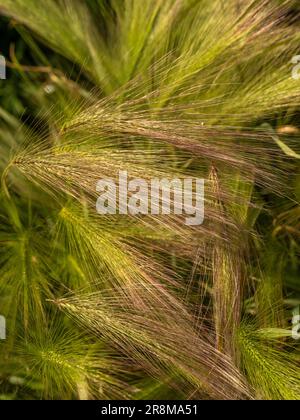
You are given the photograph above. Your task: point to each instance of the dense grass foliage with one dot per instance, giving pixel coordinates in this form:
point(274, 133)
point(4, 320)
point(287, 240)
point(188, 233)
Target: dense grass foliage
point(140, 307)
